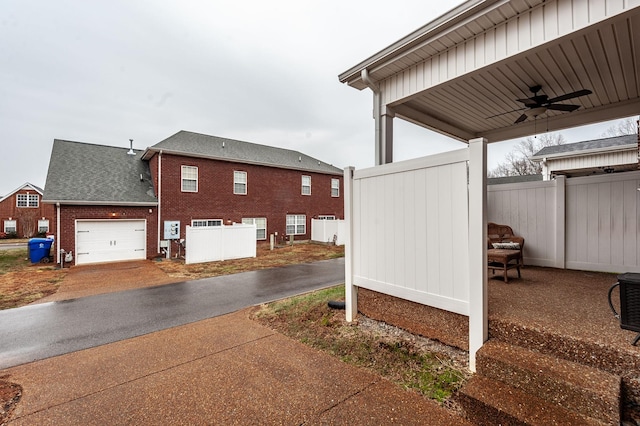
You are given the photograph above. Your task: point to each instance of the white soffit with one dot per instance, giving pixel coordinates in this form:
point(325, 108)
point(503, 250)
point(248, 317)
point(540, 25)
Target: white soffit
point(461, 74)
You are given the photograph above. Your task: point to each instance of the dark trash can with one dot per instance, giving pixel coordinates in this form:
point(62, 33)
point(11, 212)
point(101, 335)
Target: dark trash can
point(629, 315)
point(39, 249)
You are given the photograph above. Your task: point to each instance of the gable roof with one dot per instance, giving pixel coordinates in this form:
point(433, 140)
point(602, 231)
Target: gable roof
point(82, 173)
point(213, 147)
point(588, 147)
point(26, 185)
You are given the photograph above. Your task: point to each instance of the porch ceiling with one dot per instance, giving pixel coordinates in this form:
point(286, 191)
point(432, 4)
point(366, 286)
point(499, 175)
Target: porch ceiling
point(603, 58)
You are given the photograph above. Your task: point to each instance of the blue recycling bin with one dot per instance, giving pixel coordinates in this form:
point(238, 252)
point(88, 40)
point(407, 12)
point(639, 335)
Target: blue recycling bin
point(39, 249)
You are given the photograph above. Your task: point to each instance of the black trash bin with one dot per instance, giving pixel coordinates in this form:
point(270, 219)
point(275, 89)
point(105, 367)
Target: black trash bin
point(39, 249)
point(629, 315)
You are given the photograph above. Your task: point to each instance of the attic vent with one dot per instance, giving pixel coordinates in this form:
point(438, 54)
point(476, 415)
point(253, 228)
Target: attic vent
point(130, 152)
point(300, 158)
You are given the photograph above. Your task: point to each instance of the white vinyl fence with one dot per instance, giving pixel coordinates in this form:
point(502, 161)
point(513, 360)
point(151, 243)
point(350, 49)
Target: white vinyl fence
point(415, 230)
point(212, 243)
point(586, 223)
point(328, 231)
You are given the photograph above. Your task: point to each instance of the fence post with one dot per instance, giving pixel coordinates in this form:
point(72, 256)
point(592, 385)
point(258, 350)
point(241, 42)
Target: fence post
point(478, 298)
point(560, 220)
point(350, 291)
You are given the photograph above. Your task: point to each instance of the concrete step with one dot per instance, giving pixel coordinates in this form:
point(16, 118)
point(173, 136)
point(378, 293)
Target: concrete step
point(492, 402)
point(591, 392)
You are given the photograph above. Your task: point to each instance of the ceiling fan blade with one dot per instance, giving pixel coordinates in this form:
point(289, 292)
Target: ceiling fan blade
point(521, 119)
point(571, 95)
point(528, 102)
point(563, 107)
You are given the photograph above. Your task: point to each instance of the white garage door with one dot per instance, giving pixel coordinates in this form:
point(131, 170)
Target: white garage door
point(110, 240)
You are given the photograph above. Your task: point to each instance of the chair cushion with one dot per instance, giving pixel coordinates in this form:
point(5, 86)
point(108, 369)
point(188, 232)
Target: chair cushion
point(507, 246)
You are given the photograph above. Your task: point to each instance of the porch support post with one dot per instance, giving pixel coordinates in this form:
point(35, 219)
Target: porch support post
point(560, 219)
point(350, 291)
point(478, 297)
point(383, 117)
point(384, 135)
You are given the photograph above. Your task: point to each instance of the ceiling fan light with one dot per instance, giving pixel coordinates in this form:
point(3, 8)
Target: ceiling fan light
point(534, 112)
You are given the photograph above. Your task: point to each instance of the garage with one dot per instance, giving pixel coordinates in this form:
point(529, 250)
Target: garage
point(99, 241)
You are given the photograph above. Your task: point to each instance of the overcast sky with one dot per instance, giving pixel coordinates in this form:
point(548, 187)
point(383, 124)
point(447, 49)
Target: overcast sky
point(260, 71)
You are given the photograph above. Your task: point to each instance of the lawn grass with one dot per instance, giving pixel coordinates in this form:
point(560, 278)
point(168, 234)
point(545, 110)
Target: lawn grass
point(308, 319)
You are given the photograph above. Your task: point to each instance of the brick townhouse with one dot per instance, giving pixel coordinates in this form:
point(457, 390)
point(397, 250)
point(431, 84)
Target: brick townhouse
point(23, 214)
point(114, 203)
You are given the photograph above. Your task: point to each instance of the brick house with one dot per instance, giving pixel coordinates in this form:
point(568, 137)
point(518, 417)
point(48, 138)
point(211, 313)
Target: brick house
point(23, 214)
point(114, 204)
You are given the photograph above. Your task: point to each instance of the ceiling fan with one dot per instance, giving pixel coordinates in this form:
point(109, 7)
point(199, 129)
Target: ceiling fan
point(538, 104)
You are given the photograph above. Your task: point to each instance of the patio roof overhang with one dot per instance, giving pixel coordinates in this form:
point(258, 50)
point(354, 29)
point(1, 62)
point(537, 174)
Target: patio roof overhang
point(461, 74)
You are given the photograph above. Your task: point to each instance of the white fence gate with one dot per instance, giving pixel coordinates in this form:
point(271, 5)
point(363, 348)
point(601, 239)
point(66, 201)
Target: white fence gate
point(587, 223)
point(212, 243)
point(328, 231)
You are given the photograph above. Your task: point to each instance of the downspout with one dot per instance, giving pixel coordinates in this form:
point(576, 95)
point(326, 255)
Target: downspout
point(383, 116)
point(159, 197)
point(376, 112)
point(58, 232)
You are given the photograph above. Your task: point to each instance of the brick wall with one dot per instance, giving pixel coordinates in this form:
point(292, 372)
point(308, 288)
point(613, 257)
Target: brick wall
point(26, 217)
point(271, 192)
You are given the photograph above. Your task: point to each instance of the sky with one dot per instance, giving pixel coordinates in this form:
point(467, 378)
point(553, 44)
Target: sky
point(266, 72)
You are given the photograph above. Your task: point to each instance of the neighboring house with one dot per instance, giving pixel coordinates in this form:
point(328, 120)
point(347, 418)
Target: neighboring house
point(608, 155)
point(116, 204)
point(23, 214)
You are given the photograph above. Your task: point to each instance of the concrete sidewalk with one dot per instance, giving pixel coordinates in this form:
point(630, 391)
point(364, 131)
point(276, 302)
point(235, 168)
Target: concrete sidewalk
point(224, 370)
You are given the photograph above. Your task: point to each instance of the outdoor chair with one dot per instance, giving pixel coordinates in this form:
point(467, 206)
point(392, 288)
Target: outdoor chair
point(629, 284)
point(503, 247)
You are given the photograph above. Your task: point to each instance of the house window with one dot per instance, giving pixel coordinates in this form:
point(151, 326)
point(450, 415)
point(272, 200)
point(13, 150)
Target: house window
point(335, 187)
point(240, 183)
point(189, 179)
point(261, 226)
point(28, 200)
point(206, 222)
point(296, 224)
point(10, 227)
point(326, 217)
point(306, 185)
point(43, 226)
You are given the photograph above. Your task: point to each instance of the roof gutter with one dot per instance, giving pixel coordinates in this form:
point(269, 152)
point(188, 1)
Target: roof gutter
point(101, 203)
point(431, 31)
point(620, 148)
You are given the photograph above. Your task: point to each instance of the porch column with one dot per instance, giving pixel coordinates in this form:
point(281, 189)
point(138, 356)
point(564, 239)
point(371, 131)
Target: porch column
point(384, 134)
point(560, 219)
point(350, 291)
point(478, 297)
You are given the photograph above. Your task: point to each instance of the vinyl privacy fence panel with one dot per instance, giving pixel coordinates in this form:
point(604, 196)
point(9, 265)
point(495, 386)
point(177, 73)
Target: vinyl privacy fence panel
point(213, 243)
point(410, 230)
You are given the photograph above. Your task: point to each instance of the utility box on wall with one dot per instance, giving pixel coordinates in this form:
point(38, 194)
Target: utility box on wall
point(171, 229)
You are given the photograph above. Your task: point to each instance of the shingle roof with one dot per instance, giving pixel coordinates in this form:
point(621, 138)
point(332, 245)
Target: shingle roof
point(205, 146)
point(82, 173)
point(592, 145)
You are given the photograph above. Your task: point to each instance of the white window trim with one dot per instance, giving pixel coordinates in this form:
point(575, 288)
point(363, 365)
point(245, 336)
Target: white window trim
point(252, 221)
point(306, 186)
point(183, 169)
point(336, 187)
point(43, 222)
point(236, 182)
point(299, 220)
point(196, 223)
point(9, 222)
point(29, 200)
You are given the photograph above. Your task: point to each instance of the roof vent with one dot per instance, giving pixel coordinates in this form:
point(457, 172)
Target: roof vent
point(131, 152)
point(300, 158)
